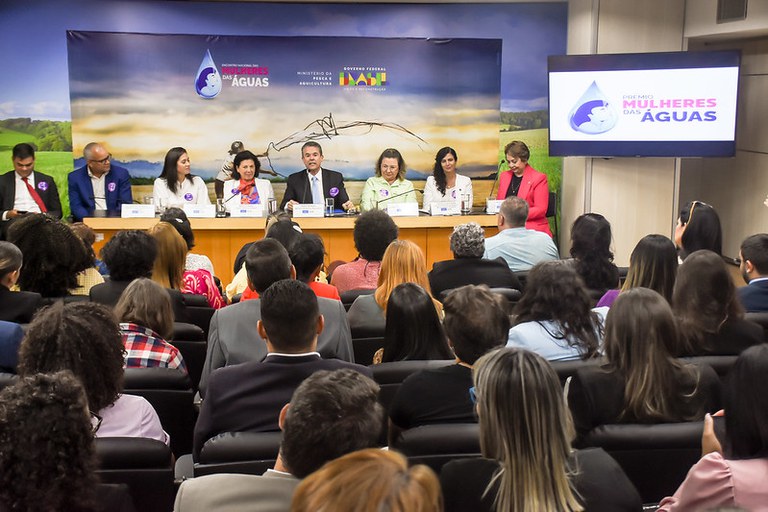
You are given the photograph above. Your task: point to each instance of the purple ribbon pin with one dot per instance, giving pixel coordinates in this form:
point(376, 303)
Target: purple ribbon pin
point(188, 196)
point(453, 194)
point(42, 186)
point(111, 187)
point(383, 192)
point(235, 190)
point(334, 191)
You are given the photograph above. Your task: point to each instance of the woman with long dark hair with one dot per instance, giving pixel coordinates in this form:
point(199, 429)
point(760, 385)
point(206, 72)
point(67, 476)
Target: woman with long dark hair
point(525, 437)
point(176, 186)
point(698, 227)
point(591, 251)
point(446, 184)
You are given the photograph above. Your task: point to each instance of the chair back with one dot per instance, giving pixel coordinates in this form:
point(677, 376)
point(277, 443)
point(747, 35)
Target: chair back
point(193, 353)
point(656, 458)
point(170, 393)
point(198, 311)
point(567, 369)
point(436, 445)
point(389, 376)
point(187, 332)
point(759, 317)
point(365, 347)
point(721, 364)
point(144, 465)
point(238, 452)
point(349, 296)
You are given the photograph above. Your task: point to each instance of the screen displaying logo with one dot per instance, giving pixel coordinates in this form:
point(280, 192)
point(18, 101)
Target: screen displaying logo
point(208, 79)
point(593, 113)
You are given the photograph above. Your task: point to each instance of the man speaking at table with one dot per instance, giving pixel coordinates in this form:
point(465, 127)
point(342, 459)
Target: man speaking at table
point(314, 184)
point(98, 185)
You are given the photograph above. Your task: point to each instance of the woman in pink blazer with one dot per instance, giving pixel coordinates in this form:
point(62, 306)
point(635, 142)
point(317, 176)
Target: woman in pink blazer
point(524, 181)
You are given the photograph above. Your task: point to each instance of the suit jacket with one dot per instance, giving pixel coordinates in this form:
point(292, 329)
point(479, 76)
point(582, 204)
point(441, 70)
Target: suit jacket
point(449, 274)
point(10, 340)
point(117, 191)
point(45, 187)
point(600, 482)
point(248, 397)
point(109, 292)
point(535, 191)
point(18, 307)
point(270, 492)
point(233, 338)
point(754, 296)
point(298, 188)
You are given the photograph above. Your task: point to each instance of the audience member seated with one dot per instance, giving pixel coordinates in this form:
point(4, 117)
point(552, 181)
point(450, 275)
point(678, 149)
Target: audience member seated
point(652, 264)
point(733, 471)
point(754, 269)
point(249, 396)
point(272, 218)
point(553, 317)
point(403, 262)
point(475, 323)
point(641, 381)
point(84, 338)
point(307, 256)
point(14, 306)
point(91, 276)
point(146, 321)
point(525, 435)
point(168, 270)
point(330, 414)
point(48, 460)
point(373, 232)
point(468, 265)
point(233, 337)
point(709, 313)
point(53, 255)
point(128, 255)
point(369, 480)
point(591, 252)
point(178, 219)
point(698, 227)
point(11, 335)
point(413, 329)
point(520, 247)
point(287, 233)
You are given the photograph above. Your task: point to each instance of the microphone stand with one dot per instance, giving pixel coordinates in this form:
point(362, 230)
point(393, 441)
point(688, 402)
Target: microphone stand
point(398, 195)
point(496, 181)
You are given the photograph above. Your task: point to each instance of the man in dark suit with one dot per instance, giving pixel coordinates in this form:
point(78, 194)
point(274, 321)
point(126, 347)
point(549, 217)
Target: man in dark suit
point(26, 190)
point(468, 266)
point(249, 396)
point(233, 337)
point(98, 185)
point(314, 184)
point(754, 269)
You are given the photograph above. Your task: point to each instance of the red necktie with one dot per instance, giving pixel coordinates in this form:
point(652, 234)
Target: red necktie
point(35, 195)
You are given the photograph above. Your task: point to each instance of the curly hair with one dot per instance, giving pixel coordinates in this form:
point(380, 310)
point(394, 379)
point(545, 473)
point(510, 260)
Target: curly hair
point(88, 236)
point(82, 337)
point(129, 255)
point(437, 171)
point(591, 247)
point(373, 232)
point(468, 241)
point(47, 458)
point(51, 267)
point(555, 292)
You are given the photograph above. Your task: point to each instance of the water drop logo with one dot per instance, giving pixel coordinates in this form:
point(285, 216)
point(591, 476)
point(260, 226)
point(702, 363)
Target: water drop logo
point(208, 81)
point(593, 113)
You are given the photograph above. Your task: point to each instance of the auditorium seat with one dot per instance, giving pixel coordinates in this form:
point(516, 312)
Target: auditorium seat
point(522, 276)
point(566, 369)
point(365, 347)
point(198, 311)
point(349, 296)
point(238, 452)
point(761, 318)
point(721, 364)
point(47, 301)
point(193, 353)
point(389, 376)
point(656, 458)
point(144, 465)
point(187, 332)
point(170, 393)
point(511, 294)
point(436, 445)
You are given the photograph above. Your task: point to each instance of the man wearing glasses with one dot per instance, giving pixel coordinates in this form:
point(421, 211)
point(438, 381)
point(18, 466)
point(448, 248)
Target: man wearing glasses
point(98, 186)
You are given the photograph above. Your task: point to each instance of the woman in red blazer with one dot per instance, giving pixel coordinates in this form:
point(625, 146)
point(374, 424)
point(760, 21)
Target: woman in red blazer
point(524, 181)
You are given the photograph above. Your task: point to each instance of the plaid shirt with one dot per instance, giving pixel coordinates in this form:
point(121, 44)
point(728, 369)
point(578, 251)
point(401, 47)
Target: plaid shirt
point(145, 348)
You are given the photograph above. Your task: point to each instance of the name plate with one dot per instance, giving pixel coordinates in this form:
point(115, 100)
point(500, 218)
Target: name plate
point(200, 211)
point(309, 210)
point(137, 211)
point(246, 210)
point(493, 205)
point(403, 210)
point(444, 208)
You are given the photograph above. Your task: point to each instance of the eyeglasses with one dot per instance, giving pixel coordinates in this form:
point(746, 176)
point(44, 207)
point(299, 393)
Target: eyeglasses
point(103, 160)
point(95, 428)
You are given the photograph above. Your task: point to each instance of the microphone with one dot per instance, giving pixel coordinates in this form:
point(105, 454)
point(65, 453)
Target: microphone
point(398, 195)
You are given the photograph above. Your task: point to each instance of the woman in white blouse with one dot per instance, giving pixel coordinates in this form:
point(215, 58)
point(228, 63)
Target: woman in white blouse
point(445, 184)
point(176, 186)
point(246, 187)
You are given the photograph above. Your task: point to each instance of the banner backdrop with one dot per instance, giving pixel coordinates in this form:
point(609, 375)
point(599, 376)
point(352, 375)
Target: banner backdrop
point(355, 95)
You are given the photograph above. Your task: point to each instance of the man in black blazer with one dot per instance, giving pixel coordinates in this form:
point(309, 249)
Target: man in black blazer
point(301, 184)
point(754, 269)
point(15, 202)
point(248, 397)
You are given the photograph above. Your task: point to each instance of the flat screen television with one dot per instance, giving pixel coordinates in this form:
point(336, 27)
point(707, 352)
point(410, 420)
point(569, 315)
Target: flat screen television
point(678, 104)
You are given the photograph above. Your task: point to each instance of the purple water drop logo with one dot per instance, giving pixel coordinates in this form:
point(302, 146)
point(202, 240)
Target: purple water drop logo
point(111, 187)
point(453, 194)
point(334, 191)
point(208, 78)
point(42, 186)
point(593, 113)
point(188, 196)
point(383, 192)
